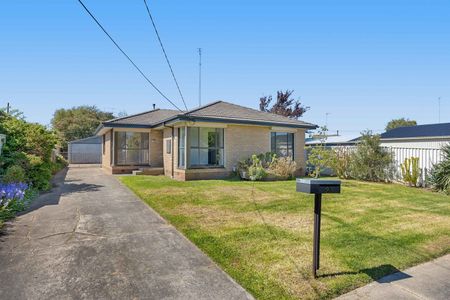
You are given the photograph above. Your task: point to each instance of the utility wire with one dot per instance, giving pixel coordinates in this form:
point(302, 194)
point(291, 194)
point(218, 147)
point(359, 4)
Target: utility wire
point(165, 54)
point(126, 55)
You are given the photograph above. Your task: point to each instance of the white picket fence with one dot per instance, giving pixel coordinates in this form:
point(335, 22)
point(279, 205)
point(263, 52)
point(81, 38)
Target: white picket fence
point(427, 158)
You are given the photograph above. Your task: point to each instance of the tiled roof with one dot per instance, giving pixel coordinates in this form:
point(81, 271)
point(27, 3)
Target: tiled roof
point(228, 111)
point(219, 111)
point(429, 130)
point(146, 118)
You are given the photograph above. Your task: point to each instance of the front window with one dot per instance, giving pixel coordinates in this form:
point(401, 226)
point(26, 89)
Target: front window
point(282, 143)
point(205, 147)
point(132, 148)
point(181, 147)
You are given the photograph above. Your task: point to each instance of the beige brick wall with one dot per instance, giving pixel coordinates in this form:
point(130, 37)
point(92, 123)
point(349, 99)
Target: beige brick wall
point(299, 151)
point(243, 141)
point(240, 143)
point(156, 148)
point(167, 135)
point(106, 150)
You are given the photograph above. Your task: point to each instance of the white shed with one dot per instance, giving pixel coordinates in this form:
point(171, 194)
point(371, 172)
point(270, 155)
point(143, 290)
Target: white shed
point(85, 151)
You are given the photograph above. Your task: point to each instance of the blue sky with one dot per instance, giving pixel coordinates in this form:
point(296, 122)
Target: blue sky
point(364, 62)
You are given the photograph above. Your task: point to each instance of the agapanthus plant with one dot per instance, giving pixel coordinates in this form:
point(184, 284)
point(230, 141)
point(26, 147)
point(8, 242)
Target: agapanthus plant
point(12, 191)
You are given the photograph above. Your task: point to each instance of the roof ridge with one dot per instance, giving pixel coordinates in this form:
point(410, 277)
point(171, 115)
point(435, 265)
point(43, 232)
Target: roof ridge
point(133, 115)
point(249, 108)
point(202, 107)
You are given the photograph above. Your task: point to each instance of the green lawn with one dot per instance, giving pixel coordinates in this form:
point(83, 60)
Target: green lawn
point(261, 233)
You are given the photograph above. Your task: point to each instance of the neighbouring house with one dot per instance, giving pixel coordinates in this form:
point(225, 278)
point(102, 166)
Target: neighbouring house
point(429, 136)
point(85, 151)
point(422, 141)
point(330, 140)
point(203, 143)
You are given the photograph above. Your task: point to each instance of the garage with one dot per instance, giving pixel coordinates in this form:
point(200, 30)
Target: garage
point(85, 151)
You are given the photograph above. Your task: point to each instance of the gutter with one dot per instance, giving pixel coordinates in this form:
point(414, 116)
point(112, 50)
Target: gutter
point(236, 121)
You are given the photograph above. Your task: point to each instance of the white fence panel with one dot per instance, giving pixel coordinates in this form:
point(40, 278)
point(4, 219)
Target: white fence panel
point(427, 158)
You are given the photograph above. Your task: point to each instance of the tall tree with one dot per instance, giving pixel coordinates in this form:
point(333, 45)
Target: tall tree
point(78, 122)
point(402, 122)
point(284, 105)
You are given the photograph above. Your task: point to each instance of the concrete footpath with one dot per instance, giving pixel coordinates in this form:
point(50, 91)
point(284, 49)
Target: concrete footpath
point(430, 280)
point(92, 238)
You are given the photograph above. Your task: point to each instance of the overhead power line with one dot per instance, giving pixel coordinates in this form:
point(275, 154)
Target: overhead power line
point(126, 55)
point(165, 54)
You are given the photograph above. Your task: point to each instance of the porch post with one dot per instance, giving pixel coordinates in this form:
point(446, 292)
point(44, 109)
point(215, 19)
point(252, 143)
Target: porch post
point(113, 148)
point(187, 146)
point(149, 146)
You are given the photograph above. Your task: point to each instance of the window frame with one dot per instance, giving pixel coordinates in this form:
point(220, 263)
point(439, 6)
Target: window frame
point(142, 142)
point(168, 146)
point(273, 146)
point(181, 166)
point(218, 147)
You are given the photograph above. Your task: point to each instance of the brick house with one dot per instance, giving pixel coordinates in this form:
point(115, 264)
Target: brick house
point(203, 143)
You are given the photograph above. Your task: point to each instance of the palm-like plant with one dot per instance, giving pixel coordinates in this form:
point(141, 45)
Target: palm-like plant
point(440, 174)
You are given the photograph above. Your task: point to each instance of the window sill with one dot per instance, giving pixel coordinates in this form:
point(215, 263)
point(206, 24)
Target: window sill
point(205, 167)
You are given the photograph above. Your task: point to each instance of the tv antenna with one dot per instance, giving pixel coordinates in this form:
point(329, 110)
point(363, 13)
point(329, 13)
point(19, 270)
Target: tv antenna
point(326, 119)
point(199, 76)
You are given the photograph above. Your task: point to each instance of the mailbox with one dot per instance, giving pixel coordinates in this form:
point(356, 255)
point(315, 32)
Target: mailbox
point(317, 187)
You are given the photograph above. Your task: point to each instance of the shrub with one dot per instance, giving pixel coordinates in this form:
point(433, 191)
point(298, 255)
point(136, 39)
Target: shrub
point(58, 164)
point(14, 174)
point(283, 167)
point(340, 162)
point(264, 158)
point(319, 157)
point(28, 145)
point(410, 170)
point(440, 173)
point(256, 171)
point(39, 172)
point(370, 161)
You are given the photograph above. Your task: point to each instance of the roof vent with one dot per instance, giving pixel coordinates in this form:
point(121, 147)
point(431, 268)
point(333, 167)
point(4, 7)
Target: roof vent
point(154, 106)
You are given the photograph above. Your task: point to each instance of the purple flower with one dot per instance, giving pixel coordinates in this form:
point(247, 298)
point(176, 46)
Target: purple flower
point(12, 191)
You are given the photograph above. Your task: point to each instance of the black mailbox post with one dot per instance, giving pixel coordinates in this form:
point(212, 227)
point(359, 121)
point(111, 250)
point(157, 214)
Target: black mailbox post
point(317, 187)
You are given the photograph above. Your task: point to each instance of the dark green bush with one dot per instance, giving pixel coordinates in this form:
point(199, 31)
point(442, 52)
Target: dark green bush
point(370, 161)
point(59, 164)
point(14, 173)
point(29, 146)
point(440, 174)
point(39, 172)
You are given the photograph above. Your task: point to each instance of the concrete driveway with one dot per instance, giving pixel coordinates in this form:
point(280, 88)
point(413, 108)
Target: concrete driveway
point(91, 238)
